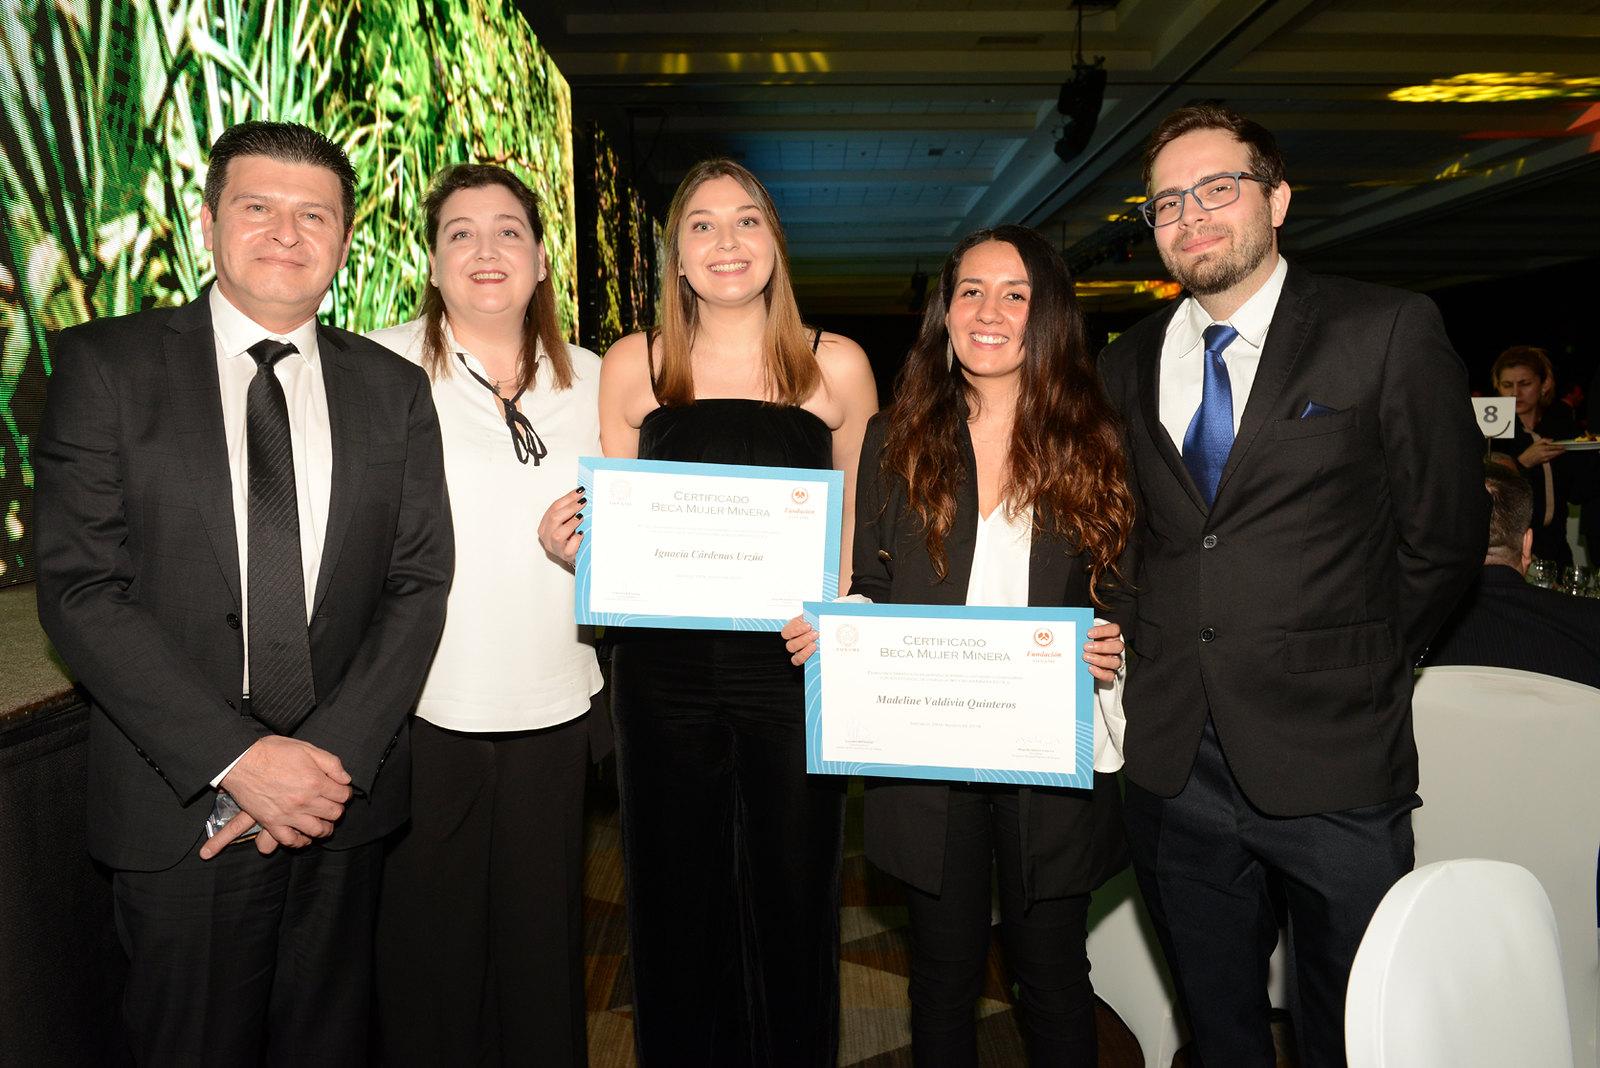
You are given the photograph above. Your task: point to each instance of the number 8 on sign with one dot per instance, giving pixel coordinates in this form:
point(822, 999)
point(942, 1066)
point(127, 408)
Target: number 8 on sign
point(1494, 416)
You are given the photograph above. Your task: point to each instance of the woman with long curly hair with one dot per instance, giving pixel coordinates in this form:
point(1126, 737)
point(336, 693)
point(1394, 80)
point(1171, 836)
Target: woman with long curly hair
point(997, 478)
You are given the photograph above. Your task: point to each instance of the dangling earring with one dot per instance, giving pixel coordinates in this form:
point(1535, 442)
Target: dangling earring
point(949, 353)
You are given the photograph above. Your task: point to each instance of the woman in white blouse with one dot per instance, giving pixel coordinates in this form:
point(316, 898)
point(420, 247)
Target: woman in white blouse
point(480, 936)
point(997, 478)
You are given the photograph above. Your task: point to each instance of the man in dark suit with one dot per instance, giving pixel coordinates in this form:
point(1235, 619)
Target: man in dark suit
point(1503, 621)
point(1308, 478)
point(244, 548)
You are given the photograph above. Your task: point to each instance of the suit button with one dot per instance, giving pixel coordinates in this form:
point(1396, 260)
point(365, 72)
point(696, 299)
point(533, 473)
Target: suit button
point(233, 621)
point(1207, 634)
point(1209, 541)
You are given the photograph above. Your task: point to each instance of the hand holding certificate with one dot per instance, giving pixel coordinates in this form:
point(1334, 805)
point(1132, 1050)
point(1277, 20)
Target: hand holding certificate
point(964, 693)
point(710, 546)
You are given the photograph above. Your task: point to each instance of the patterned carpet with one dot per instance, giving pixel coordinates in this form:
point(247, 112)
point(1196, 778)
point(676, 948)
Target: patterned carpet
point(872, 972)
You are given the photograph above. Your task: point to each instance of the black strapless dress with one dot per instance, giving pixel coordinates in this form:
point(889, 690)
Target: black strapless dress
point(732, 852)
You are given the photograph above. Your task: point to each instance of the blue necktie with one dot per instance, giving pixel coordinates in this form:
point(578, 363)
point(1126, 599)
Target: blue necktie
point(1210, 433)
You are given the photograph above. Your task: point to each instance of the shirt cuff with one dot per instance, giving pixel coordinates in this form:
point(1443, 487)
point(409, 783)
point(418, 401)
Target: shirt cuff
point(1110, 722)
point(223, 774)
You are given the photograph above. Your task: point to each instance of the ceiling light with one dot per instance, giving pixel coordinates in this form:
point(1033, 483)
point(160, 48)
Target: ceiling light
point(1497, 87)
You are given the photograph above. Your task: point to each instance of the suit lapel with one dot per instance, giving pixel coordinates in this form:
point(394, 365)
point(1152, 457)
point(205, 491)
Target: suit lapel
point(1149, 360)
point(1286, 337)
point(347, 423)
point(195, 396)
point(1048, 566)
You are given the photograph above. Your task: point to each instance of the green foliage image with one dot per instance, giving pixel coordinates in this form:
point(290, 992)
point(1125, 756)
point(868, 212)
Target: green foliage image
point(110, 107)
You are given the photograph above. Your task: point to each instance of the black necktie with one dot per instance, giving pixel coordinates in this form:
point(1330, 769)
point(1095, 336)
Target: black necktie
point(280, 646)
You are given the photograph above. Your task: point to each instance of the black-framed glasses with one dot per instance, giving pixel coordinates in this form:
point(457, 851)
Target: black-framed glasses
point(1217, 191)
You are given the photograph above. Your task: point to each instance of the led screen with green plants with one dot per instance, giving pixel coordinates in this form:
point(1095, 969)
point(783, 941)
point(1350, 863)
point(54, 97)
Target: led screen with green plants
point(109, 109)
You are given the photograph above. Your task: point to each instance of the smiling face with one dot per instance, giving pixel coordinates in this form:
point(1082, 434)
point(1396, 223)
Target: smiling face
point(1232, 247)
point(725, 245)
point(277, 239)
point(1523, 383)
point(486, 260)
point(988, 311)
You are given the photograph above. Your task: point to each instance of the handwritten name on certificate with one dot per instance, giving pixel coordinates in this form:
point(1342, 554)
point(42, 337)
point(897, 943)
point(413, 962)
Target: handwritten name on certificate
point(709, 546)
point(969, 694)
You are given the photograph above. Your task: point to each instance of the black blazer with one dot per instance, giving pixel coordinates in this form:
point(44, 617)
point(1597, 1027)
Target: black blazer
point(139, 574)
point(1504, 622)
point(1291, 611)
point(1071, 839)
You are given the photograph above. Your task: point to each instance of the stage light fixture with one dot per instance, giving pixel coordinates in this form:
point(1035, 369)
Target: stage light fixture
point(1081, 98)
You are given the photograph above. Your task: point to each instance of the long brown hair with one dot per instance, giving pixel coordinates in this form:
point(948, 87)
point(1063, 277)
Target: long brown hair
point(1066, 457)
point(791, 367)
point(540, 327)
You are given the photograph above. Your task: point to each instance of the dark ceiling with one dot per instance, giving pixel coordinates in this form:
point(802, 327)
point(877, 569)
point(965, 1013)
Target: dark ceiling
point(888, 128)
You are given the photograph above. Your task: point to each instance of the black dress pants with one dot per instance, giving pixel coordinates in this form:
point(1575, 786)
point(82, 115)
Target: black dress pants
point(480, 921)
point(1043, 943)
point(1203, 859)
point(249, 959)
point(732, 855)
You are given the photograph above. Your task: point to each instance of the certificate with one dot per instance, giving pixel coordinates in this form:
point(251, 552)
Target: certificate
point(970, 694)
point(709, 546)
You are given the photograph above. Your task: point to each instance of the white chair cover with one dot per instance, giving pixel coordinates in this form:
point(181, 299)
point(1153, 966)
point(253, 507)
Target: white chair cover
point(1510, 765)
point(1128, 971)
point(1459, 969)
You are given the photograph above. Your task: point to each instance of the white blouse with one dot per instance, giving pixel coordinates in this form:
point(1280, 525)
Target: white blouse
point(1000, 578)
point(510, 658)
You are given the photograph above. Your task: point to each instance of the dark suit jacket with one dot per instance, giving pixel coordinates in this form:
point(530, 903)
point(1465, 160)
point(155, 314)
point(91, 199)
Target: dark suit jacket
point(1293, 609)
point(1504, 622)
point(139, 574)
point(1071, 839)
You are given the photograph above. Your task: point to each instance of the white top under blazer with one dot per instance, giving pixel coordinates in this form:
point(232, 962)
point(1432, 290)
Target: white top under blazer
point(510, 658)
point(1000, 579)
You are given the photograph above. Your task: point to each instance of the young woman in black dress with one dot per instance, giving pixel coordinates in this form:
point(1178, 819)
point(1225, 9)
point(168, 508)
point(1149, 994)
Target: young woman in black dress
point(732, 853)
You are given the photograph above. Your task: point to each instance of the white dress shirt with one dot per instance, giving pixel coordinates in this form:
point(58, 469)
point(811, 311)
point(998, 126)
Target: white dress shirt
point(310, 441)
point(1000, 578)
point(510, 658)
point(1183, 365)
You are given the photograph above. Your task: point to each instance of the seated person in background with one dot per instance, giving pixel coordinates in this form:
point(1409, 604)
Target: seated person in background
point(1504, 622)
point(1524, 373)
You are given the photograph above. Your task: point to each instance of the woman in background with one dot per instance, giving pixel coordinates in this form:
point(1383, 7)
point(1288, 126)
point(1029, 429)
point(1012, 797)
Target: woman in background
point(997, 478)
point(1524, 373)
point(733, 853)
point(480, 935)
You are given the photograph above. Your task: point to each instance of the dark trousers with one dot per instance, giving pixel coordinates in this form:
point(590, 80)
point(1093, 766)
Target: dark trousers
point(1043, 943)
point(732, 855)
point(480, 926)
point(1203, 859)
point(249, 959)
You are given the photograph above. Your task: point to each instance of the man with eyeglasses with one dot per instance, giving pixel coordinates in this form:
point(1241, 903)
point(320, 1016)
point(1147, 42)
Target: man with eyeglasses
point(1312, 505)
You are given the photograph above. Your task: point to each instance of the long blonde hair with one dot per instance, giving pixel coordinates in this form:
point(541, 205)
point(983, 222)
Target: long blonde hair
point(792, 373)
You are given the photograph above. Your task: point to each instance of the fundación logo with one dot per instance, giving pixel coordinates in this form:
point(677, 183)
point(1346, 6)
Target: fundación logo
point(799, 495)
point(1044, 637)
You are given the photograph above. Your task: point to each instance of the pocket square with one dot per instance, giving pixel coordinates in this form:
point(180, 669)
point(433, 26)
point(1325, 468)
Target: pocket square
point(1314, 409)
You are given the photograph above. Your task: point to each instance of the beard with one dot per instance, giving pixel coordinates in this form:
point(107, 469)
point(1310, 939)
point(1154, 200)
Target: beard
point(1220, 272)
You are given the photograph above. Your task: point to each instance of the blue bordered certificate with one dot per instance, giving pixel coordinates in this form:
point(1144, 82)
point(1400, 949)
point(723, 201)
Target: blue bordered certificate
point(933, 692)
point(709, 546)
